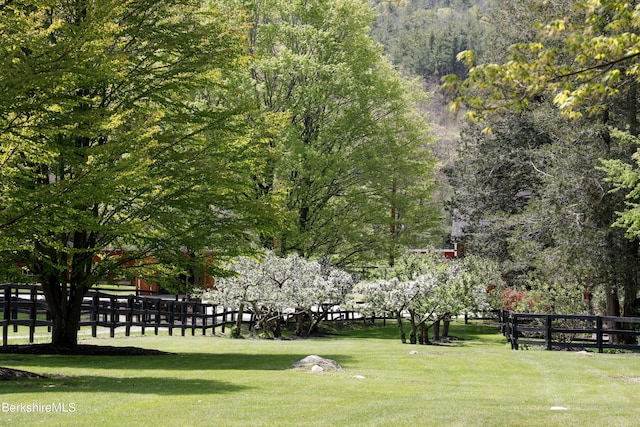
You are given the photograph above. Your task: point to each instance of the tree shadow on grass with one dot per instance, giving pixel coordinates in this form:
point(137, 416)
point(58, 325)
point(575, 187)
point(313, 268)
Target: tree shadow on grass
point(379, 330)
point(132, 379)
point(468, 333)
point(170, 362)
point(165, 386)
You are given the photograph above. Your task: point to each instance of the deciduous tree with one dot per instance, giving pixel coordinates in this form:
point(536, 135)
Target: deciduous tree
point(355, 169)
point(427, 290)
point(276, 288)
point(122, 143)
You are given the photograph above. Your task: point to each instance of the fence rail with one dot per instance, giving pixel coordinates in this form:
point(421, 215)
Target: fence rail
point(25, 305)
point(571, 331)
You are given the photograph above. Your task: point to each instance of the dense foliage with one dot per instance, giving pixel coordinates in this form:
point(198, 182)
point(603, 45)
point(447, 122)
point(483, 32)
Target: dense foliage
point(424, 37)
point(543, 176)
point(157, 140)
point(121, 130)
point(354, 168)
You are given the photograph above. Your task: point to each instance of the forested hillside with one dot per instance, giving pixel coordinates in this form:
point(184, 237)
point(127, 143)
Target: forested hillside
point(425, 36)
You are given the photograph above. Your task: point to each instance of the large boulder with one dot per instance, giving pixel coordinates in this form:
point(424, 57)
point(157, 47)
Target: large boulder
point(317, 364)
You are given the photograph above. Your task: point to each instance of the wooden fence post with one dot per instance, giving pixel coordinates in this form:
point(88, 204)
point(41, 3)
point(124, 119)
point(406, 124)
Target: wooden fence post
point(547, 331)
point(157, 314)
point(33, 314)
point(129, 318)
point(170, 309)
point(214, 310)
point(113, 314)
point(14, 309)
point(514, 331)
point(7, 315)
point(599, 334)
point(145, 312)
point(204, 320)
point(194, 307)
point(183, 318)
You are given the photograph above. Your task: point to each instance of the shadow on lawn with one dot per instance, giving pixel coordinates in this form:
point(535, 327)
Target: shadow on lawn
point(379, 330)
point(474, 334)
point(171, 362)
point(139, 385)
point(462, 334)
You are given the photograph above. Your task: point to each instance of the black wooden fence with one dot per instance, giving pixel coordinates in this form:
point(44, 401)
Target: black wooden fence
point(561, 331)
point(24, 305)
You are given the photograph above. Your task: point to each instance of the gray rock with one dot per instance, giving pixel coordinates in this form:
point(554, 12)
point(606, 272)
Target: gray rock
point(312, 361)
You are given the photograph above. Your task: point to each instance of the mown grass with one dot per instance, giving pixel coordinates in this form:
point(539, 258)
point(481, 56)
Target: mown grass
point(477, 381)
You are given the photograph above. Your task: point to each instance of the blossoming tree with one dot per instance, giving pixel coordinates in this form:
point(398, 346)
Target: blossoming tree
point(276, 289)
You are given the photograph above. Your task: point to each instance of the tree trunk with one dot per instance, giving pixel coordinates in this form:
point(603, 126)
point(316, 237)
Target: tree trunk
point(413, 339)
point(446, 322)
point(424, 333)
point(630, 284)
point(299, 323)
point(274, 325)
point(264, 324)
point(64, 303)
point(65, 329)
point(393, 227)
point(630, 290)
point(613, 309)
point(436, 330)
point(236, 331)
point(613, 302)
point(315, 320)
point(403, 335)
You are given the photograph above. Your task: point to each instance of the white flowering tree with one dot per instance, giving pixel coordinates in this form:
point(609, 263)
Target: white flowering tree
point(316, 289)
point(245, 288)
point(426, 291)
point(384, 296)
point(275, 287)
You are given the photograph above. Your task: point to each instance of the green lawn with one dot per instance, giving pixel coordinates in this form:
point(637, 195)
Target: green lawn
point(218, 381)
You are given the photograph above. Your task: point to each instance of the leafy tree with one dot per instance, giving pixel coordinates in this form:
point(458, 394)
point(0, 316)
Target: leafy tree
point(424, 37)
point(355, 171)
point(582, 61)
point(315, 299)
point(535, 202)
point(386, 296)
point(123, 143)
point(481, 284)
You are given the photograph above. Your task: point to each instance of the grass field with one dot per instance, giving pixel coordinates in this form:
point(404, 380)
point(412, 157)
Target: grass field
point(217, 381)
